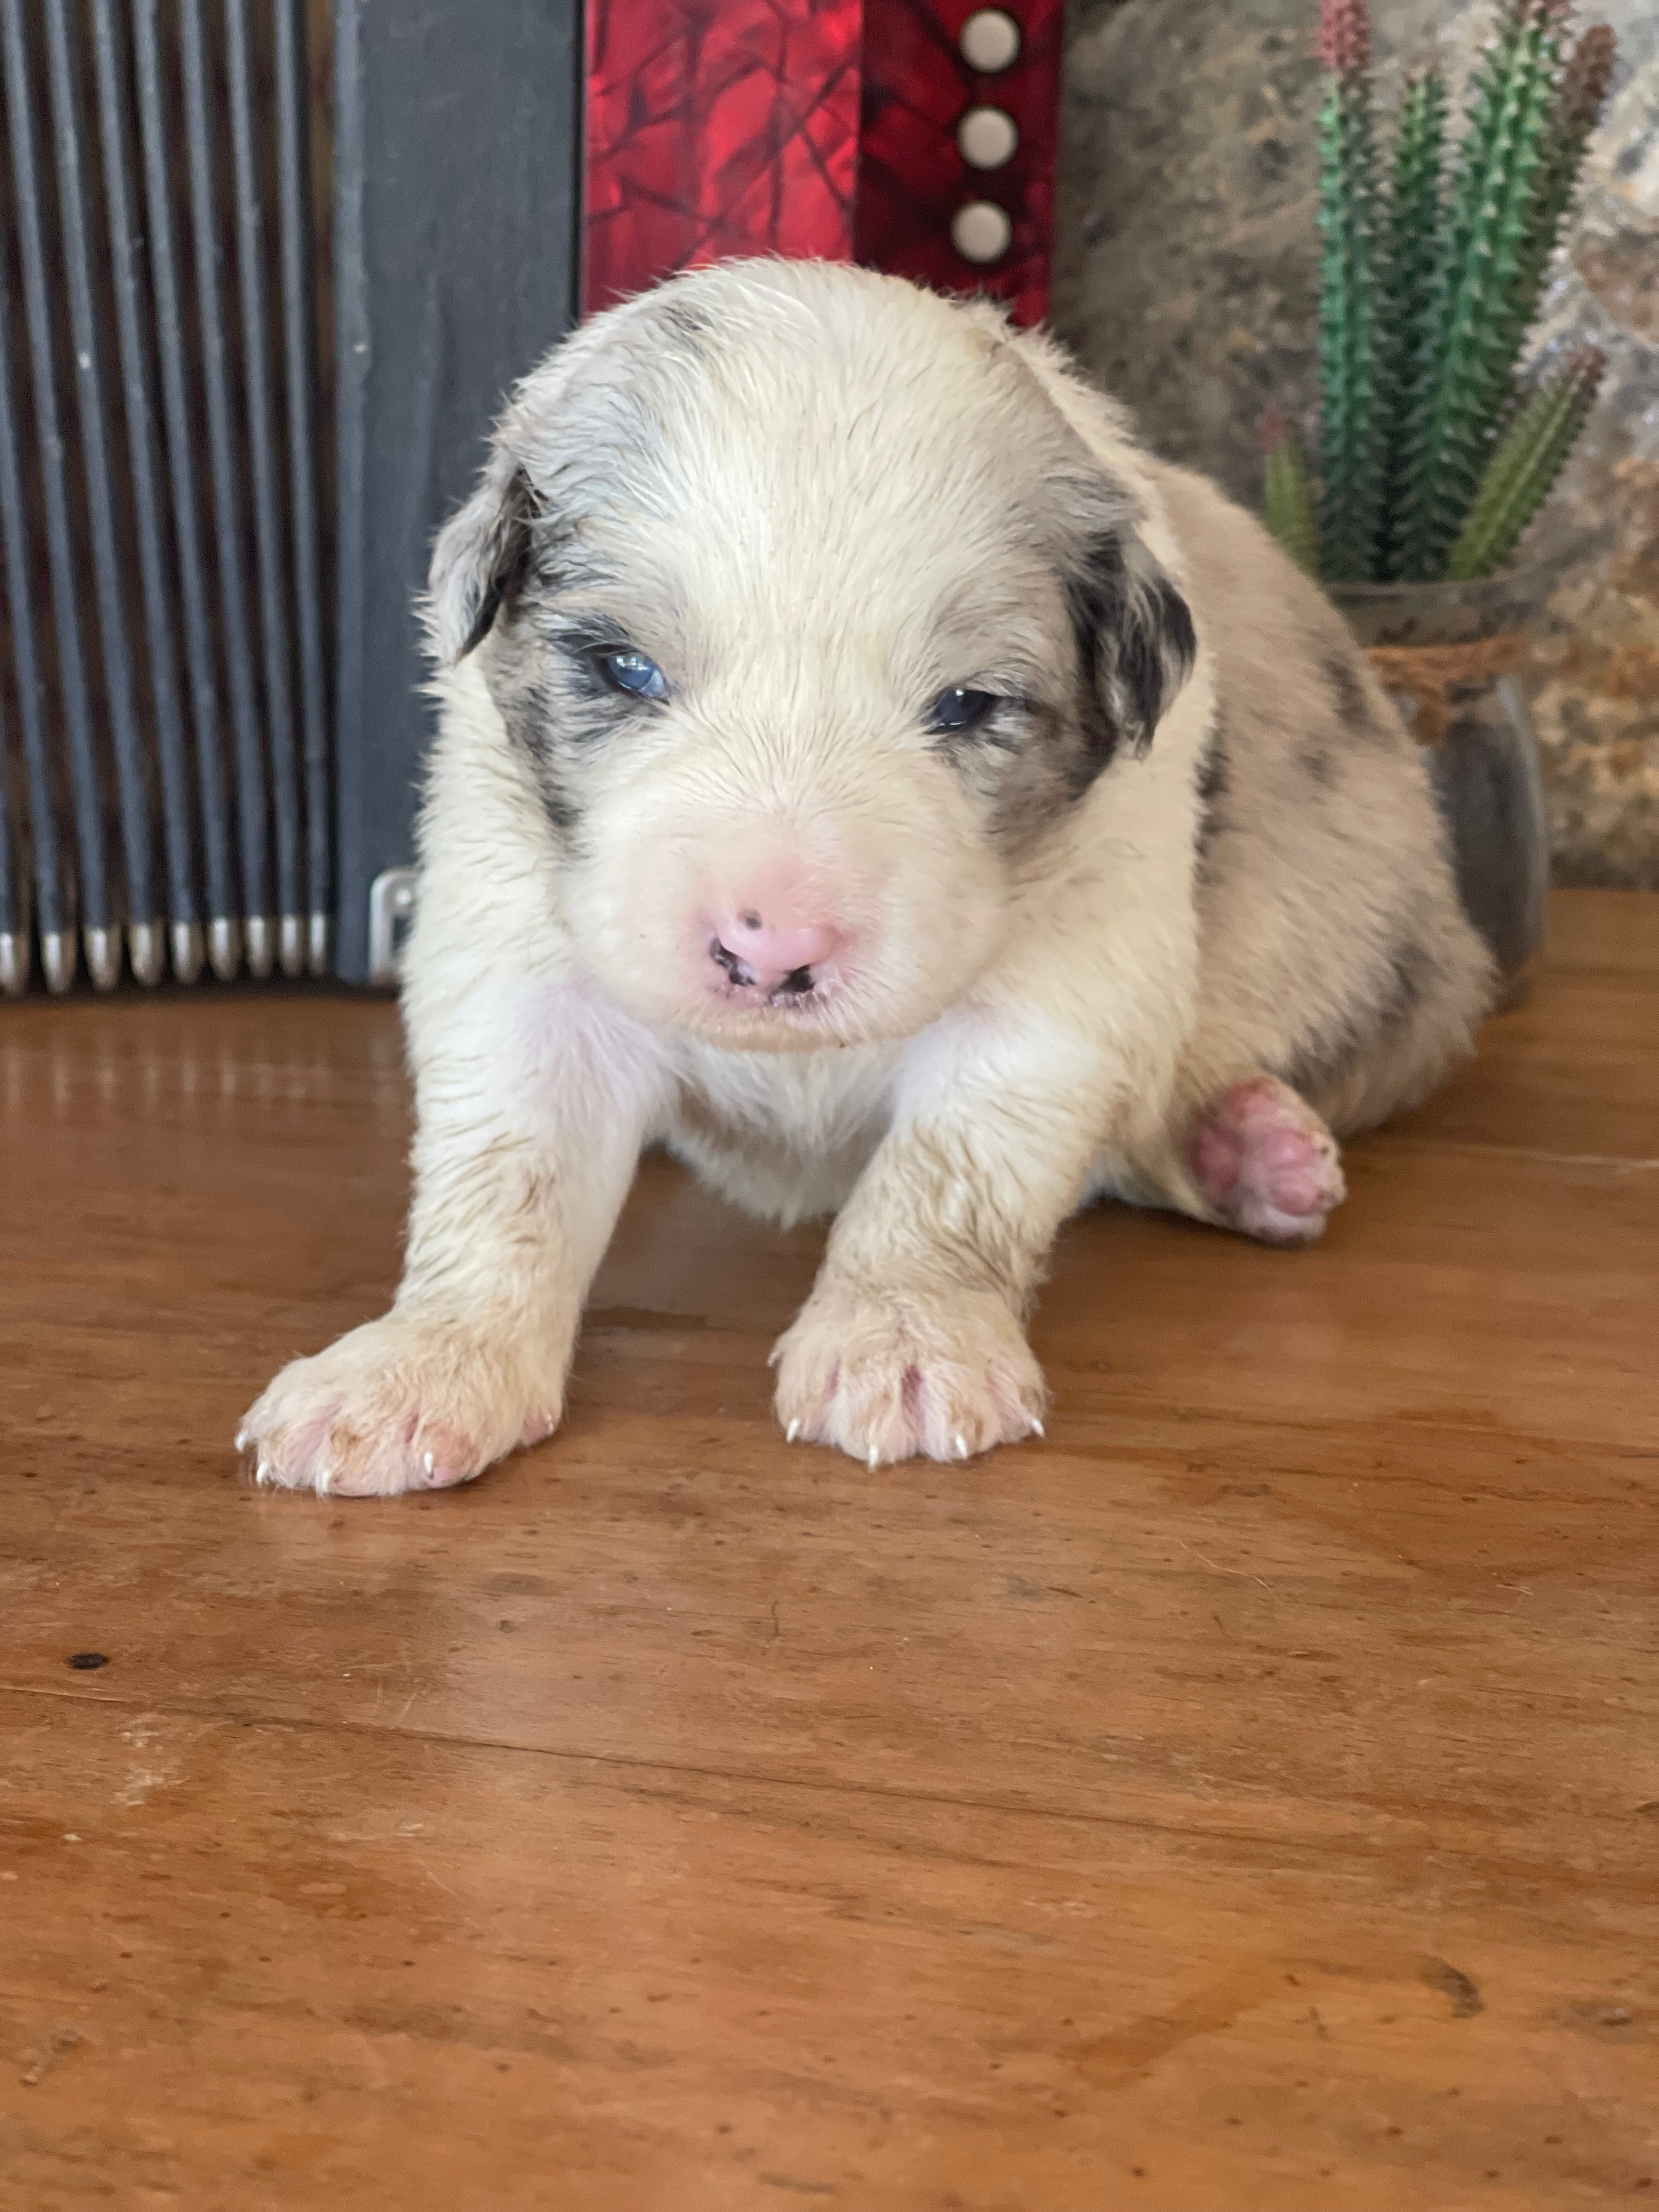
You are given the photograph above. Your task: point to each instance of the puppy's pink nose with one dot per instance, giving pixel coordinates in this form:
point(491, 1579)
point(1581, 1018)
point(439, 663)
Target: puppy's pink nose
point(775, 953)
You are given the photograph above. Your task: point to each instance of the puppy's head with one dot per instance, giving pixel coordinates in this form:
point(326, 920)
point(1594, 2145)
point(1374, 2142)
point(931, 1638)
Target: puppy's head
point(812, 617)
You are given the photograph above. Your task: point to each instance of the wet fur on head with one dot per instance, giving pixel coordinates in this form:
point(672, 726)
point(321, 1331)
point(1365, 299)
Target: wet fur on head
point(529, 560)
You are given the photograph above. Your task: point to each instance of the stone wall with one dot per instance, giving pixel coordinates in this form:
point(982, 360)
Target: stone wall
point(1185, 278)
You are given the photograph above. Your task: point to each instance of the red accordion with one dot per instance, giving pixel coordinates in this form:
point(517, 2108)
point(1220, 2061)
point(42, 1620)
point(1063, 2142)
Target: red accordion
point(914, 136)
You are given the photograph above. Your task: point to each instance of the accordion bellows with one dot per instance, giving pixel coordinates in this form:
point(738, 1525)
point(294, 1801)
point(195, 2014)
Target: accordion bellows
point(159, 494)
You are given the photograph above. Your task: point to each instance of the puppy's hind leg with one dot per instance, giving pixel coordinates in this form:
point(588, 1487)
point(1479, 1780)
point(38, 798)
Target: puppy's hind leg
point(1266, 1163)
point(1256, 1158)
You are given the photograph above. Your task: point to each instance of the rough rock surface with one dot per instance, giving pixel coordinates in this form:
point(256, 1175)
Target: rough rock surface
point(1186, 276)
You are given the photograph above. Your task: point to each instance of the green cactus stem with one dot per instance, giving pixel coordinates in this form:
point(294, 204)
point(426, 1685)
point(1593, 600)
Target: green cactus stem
point(1289, 500)
point(1525, 464)
point(1409, 239)
point(1472, 343)
point(1580, 99)
point(1347, 196)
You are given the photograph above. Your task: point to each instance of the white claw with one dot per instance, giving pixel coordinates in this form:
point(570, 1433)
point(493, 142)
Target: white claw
point(875, 1458)
point(1038, 1429)
point(961, 1447)
point(262, 1473)
point(243, 1439)
point(791, 1432)
point(430, 1462)
point(325, 1476)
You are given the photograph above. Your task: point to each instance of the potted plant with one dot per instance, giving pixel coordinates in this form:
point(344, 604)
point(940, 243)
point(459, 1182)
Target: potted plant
point(1436, 445)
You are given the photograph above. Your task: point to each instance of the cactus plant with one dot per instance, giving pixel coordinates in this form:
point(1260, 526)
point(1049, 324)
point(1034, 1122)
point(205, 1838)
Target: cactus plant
point(1289, 500)
point(1410, 231)
point(1524, 465)
point(1470, 355)
point(1427, 295)
point(1347, 353)
point(1584, 84)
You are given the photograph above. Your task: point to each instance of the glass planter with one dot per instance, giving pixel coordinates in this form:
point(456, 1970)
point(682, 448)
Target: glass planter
point(1484, 760)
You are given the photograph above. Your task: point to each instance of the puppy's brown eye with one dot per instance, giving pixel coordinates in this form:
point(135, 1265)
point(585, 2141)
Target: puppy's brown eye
point(953, 711)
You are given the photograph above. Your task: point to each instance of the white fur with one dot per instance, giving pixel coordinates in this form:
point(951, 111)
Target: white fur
point(819, 497)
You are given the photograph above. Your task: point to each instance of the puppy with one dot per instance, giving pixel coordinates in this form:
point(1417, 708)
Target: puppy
point(866, 771)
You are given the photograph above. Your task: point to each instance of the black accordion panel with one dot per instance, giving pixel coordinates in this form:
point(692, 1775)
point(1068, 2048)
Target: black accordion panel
point(269, 270)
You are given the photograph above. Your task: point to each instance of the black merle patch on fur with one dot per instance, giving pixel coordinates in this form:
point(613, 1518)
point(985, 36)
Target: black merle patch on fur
point(504, 560)
point(532, 716)
point(1135, 643)
point(543, 676)
point(1322, 1061)
point(961, 747)
point(681, 320)
point(1023, 766)
point(1318, 764)
point(1345, 688)
point(1215, 775)
point(561, 810)
point(1215, 780)
point(1412, 970)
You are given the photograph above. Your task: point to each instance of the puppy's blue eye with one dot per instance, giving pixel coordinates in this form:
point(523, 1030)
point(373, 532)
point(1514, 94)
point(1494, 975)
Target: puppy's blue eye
point(635, 673)
point(953, 711)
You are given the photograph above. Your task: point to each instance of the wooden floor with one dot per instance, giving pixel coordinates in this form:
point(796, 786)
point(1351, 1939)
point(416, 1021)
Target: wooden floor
point(1248, 1799)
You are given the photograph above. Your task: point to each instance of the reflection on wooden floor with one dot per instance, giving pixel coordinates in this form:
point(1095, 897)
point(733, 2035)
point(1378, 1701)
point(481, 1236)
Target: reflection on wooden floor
point(1249, 1799)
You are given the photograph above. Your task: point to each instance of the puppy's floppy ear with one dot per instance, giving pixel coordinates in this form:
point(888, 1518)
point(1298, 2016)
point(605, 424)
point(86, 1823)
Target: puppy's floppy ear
point(1134, 634)
point(479, 559)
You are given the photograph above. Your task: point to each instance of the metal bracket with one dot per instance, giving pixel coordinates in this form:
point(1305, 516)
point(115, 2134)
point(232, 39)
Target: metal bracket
point(392, 898)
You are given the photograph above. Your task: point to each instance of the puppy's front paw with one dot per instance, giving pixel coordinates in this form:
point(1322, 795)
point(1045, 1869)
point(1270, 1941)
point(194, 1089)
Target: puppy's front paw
point(886, 1378)
point(397, 1405)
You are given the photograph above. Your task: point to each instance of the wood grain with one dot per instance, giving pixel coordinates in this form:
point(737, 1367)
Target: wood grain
point(1247, 1801)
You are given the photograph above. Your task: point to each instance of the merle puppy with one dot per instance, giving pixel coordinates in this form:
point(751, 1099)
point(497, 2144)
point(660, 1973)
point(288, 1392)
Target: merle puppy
point(866, 771)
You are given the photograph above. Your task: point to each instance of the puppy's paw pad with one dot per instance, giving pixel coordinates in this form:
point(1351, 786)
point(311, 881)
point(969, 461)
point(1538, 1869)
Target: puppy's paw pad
point(1267, 1163)
point(390, 1408)
point(886, 1380)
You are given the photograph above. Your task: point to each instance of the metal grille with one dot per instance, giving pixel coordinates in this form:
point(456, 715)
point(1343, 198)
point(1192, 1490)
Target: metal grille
point(165, 801)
